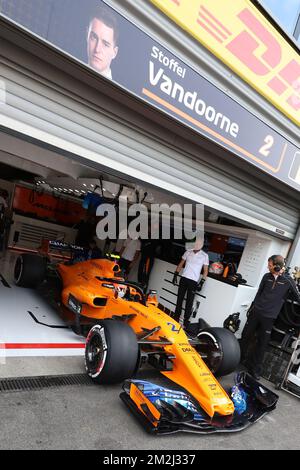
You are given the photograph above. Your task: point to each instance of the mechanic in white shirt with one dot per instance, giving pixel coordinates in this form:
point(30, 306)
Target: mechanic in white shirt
point(192, 263)
point(129, 254)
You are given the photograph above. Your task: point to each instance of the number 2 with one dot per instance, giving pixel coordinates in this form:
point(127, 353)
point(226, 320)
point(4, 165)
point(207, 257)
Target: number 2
point(173, 327)
point(265, 149)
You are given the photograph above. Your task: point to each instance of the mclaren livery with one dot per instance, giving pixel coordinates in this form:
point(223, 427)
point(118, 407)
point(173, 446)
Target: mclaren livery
point(125, 329)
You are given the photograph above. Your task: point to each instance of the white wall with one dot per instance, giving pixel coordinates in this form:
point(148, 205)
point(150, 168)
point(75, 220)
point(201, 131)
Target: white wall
point(32, 231)
point(258, 249)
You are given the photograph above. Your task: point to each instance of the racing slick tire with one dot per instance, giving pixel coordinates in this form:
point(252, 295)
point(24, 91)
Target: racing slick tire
point(111, 352)
point(30, 270)
point(221, 350)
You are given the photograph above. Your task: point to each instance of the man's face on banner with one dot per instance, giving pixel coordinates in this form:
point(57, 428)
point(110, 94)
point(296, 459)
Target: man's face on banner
point(101, 46)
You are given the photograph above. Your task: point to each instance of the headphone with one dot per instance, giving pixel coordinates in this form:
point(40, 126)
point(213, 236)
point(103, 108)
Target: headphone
point(278, 266)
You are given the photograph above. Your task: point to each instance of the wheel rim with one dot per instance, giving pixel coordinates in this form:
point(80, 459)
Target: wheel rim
point(210, 351)
point(95, 355)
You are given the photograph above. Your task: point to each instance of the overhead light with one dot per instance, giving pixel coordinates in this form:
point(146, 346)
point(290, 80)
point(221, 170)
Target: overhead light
point(84, 185)
point(92, 185)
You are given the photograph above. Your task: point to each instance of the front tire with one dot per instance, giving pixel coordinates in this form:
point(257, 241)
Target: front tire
point(111, 352)
point(220, 349)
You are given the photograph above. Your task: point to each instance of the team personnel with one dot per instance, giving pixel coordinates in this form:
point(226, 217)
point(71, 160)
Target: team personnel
point(102, 41)
point(192, 263)
point(129, 254)
point(272, 292)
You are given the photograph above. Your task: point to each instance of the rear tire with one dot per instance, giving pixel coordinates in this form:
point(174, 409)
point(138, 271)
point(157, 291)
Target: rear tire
point(221, 348)
point(30, 270)
point(111, 352)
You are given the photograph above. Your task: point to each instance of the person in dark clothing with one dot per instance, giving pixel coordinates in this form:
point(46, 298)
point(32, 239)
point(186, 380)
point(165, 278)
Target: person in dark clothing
point(93, 252)
point(86, 231)
point(274, 288)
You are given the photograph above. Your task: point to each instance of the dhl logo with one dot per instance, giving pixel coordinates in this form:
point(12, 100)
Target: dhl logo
point(239, 35)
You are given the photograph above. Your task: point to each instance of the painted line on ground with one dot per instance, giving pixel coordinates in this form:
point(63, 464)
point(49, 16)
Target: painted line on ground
point(42, 345)
point(45, 324)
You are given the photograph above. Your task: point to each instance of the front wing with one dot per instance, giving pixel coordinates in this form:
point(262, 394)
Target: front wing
point(164, 411)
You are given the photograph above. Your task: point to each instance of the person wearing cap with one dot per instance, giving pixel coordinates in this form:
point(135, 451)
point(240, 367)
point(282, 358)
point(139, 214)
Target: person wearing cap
point(192, 263)
point(274, 288)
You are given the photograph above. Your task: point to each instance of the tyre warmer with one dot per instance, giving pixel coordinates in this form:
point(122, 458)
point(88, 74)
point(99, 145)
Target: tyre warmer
point(165, 411)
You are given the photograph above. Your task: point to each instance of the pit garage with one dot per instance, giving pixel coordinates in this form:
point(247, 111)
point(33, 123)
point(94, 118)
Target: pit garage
point(67, 132)
point(48, 203)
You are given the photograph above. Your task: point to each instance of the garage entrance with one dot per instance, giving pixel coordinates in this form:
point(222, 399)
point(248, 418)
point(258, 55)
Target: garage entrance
point(50, 202)
point(48, 196)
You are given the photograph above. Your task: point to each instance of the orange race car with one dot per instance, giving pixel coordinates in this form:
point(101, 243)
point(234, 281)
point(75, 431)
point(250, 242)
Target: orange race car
point(126, 328)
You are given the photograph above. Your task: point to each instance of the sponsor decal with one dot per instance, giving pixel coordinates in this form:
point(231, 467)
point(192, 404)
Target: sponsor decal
point(188, 350)
point(74, 304)
point(242, 37)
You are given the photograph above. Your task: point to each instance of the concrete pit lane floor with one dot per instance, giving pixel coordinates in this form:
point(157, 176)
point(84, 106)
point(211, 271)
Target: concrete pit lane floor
point(94, 417)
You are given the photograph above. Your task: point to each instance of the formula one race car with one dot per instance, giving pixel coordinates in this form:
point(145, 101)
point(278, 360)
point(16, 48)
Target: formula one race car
point(127, 328)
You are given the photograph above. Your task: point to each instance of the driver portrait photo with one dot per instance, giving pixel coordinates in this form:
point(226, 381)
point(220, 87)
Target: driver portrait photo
point(102, 41)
